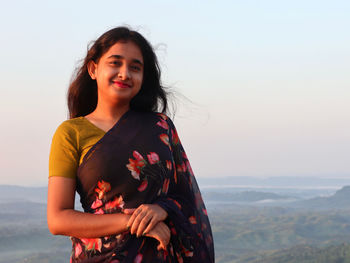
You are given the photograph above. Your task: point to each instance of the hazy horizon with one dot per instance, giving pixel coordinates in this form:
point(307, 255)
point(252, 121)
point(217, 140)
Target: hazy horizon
point(267, 82)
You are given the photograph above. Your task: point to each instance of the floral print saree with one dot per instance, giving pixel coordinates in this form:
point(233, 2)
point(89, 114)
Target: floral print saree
point(140, 160)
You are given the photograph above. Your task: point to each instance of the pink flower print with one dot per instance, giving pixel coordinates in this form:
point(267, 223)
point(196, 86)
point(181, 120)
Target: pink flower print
point(116, 203)
point(177, 203)
point(175, 137)
point(168, 164)
point(96, 204)
point(163, 116)
point(188, 253)
point(165, 139)
point(184, 155)
point(205, 211)
point(153, 158)
point(165, 185)
point(163, 124)
point(135, 166)
point(165, 254)
point(77, 250)
point(92, 243)
point(137, 156)
point(179, 258)
point(173, 231)
point(99, 212)
point(103, 187)
point(181, 168)
point(142, 186)
point(138, 258)
point(192, 220)
point(175, 176)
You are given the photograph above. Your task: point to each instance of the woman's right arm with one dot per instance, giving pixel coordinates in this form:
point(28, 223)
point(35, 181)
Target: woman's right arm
point(62, 219)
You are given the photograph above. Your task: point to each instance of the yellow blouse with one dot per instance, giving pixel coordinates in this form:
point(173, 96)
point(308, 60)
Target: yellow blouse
point(72, 140)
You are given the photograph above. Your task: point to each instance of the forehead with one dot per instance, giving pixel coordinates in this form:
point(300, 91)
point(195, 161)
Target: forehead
point(126, 49)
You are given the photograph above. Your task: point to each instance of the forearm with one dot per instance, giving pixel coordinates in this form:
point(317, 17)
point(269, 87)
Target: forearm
point(70, 222)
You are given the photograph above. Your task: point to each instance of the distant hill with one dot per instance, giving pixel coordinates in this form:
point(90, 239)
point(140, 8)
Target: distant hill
point(302, 254)
point(39, 257)
point(340, 200)
point(301, 182)
point(242, 232)
point(245, 196)
point(12, 193)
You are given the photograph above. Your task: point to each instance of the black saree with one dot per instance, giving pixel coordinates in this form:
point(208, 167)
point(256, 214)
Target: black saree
point(140, 160)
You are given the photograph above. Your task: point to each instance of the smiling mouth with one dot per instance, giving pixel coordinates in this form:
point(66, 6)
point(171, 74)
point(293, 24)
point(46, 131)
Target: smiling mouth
point(122, 84)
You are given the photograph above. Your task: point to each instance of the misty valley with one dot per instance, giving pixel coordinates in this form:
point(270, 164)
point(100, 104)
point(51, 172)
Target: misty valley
point(253, 220)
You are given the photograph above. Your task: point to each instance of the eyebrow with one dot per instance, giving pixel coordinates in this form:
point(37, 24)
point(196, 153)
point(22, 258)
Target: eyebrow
point(121, 57)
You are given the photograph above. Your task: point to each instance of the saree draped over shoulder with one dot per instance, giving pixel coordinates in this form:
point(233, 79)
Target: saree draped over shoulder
point(140, 160)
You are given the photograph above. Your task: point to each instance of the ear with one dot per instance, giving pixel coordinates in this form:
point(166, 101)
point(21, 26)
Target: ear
point(91, 67)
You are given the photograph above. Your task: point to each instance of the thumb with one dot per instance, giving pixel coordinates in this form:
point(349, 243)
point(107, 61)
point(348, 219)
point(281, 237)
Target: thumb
point(129, 211)
point(160, 247)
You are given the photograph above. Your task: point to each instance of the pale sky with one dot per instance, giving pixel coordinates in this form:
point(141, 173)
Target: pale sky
point(268, 80)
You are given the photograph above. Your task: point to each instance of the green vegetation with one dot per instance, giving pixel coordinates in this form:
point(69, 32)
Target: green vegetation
point(251, 231)
point(242, 234)
point(303, 254)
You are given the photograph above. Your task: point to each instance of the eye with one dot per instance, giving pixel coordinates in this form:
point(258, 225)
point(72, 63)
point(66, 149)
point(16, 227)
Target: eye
point(135, 68)
point(115, 63)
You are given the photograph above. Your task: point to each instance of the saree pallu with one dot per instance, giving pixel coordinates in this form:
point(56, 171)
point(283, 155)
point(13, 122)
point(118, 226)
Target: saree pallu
point(140, 160)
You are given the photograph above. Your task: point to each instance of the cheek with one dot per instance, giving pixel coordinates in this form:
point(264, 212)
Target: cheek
point(139, 78)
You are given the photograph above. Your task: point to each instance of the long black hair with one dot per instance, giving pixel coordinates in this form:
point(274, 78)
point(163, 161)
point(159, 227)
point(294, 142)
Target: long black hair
point(82, 92)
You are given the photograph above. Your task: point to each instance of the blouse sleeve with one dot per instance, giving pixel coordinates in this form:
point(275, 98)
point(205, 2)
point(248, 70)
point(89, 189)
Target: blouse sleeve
point(64, 153)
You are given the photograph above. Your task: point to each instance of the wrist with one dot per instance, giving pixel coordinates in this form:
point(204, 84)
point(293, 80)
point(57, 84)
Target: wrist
point(125, 223)
point(122, 221)
point(164, 211)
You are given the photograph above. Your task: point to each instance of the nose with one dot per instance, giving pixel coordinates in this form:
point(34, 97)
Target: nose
point(123, 73)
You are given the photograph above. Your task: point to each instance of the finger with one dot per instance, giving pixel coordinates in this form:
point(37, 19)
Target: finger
point(156, 233)
point(162, 235)
point(129, 211)
point(143, 224)
point(133, 217)
point(135, 224)
point(165, 232)
point(160, 247)
point(151, 225)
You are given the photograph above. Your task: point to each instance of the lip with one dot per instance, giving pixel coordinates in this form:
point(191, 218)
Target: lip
point(122, 84)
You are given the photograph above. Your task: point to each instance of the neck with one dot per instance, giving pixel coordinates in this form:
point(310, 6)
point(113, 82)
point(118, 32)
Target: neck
point(110, 112)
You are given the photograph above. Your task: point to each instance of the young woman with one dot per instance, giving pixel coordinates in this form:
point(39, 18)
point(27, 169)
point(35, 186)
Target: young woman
point(140, 198)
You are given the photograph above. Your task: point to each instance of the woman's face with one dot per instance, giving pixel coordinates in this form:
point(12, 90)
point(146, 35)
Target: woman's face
point(118, 73)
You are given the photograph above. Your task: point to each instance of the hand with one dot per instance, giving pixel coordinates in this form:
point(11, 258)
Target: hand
point(144, 218)
point(161, 232)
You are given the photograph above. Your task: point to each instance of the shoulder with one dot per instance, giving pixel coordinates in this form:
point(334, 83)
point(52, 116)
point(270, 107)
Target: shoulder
point(150, 116)
point(165, 118)
point(161, 119)
point(69, 130)
point(72, 124)
point(159, 116)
